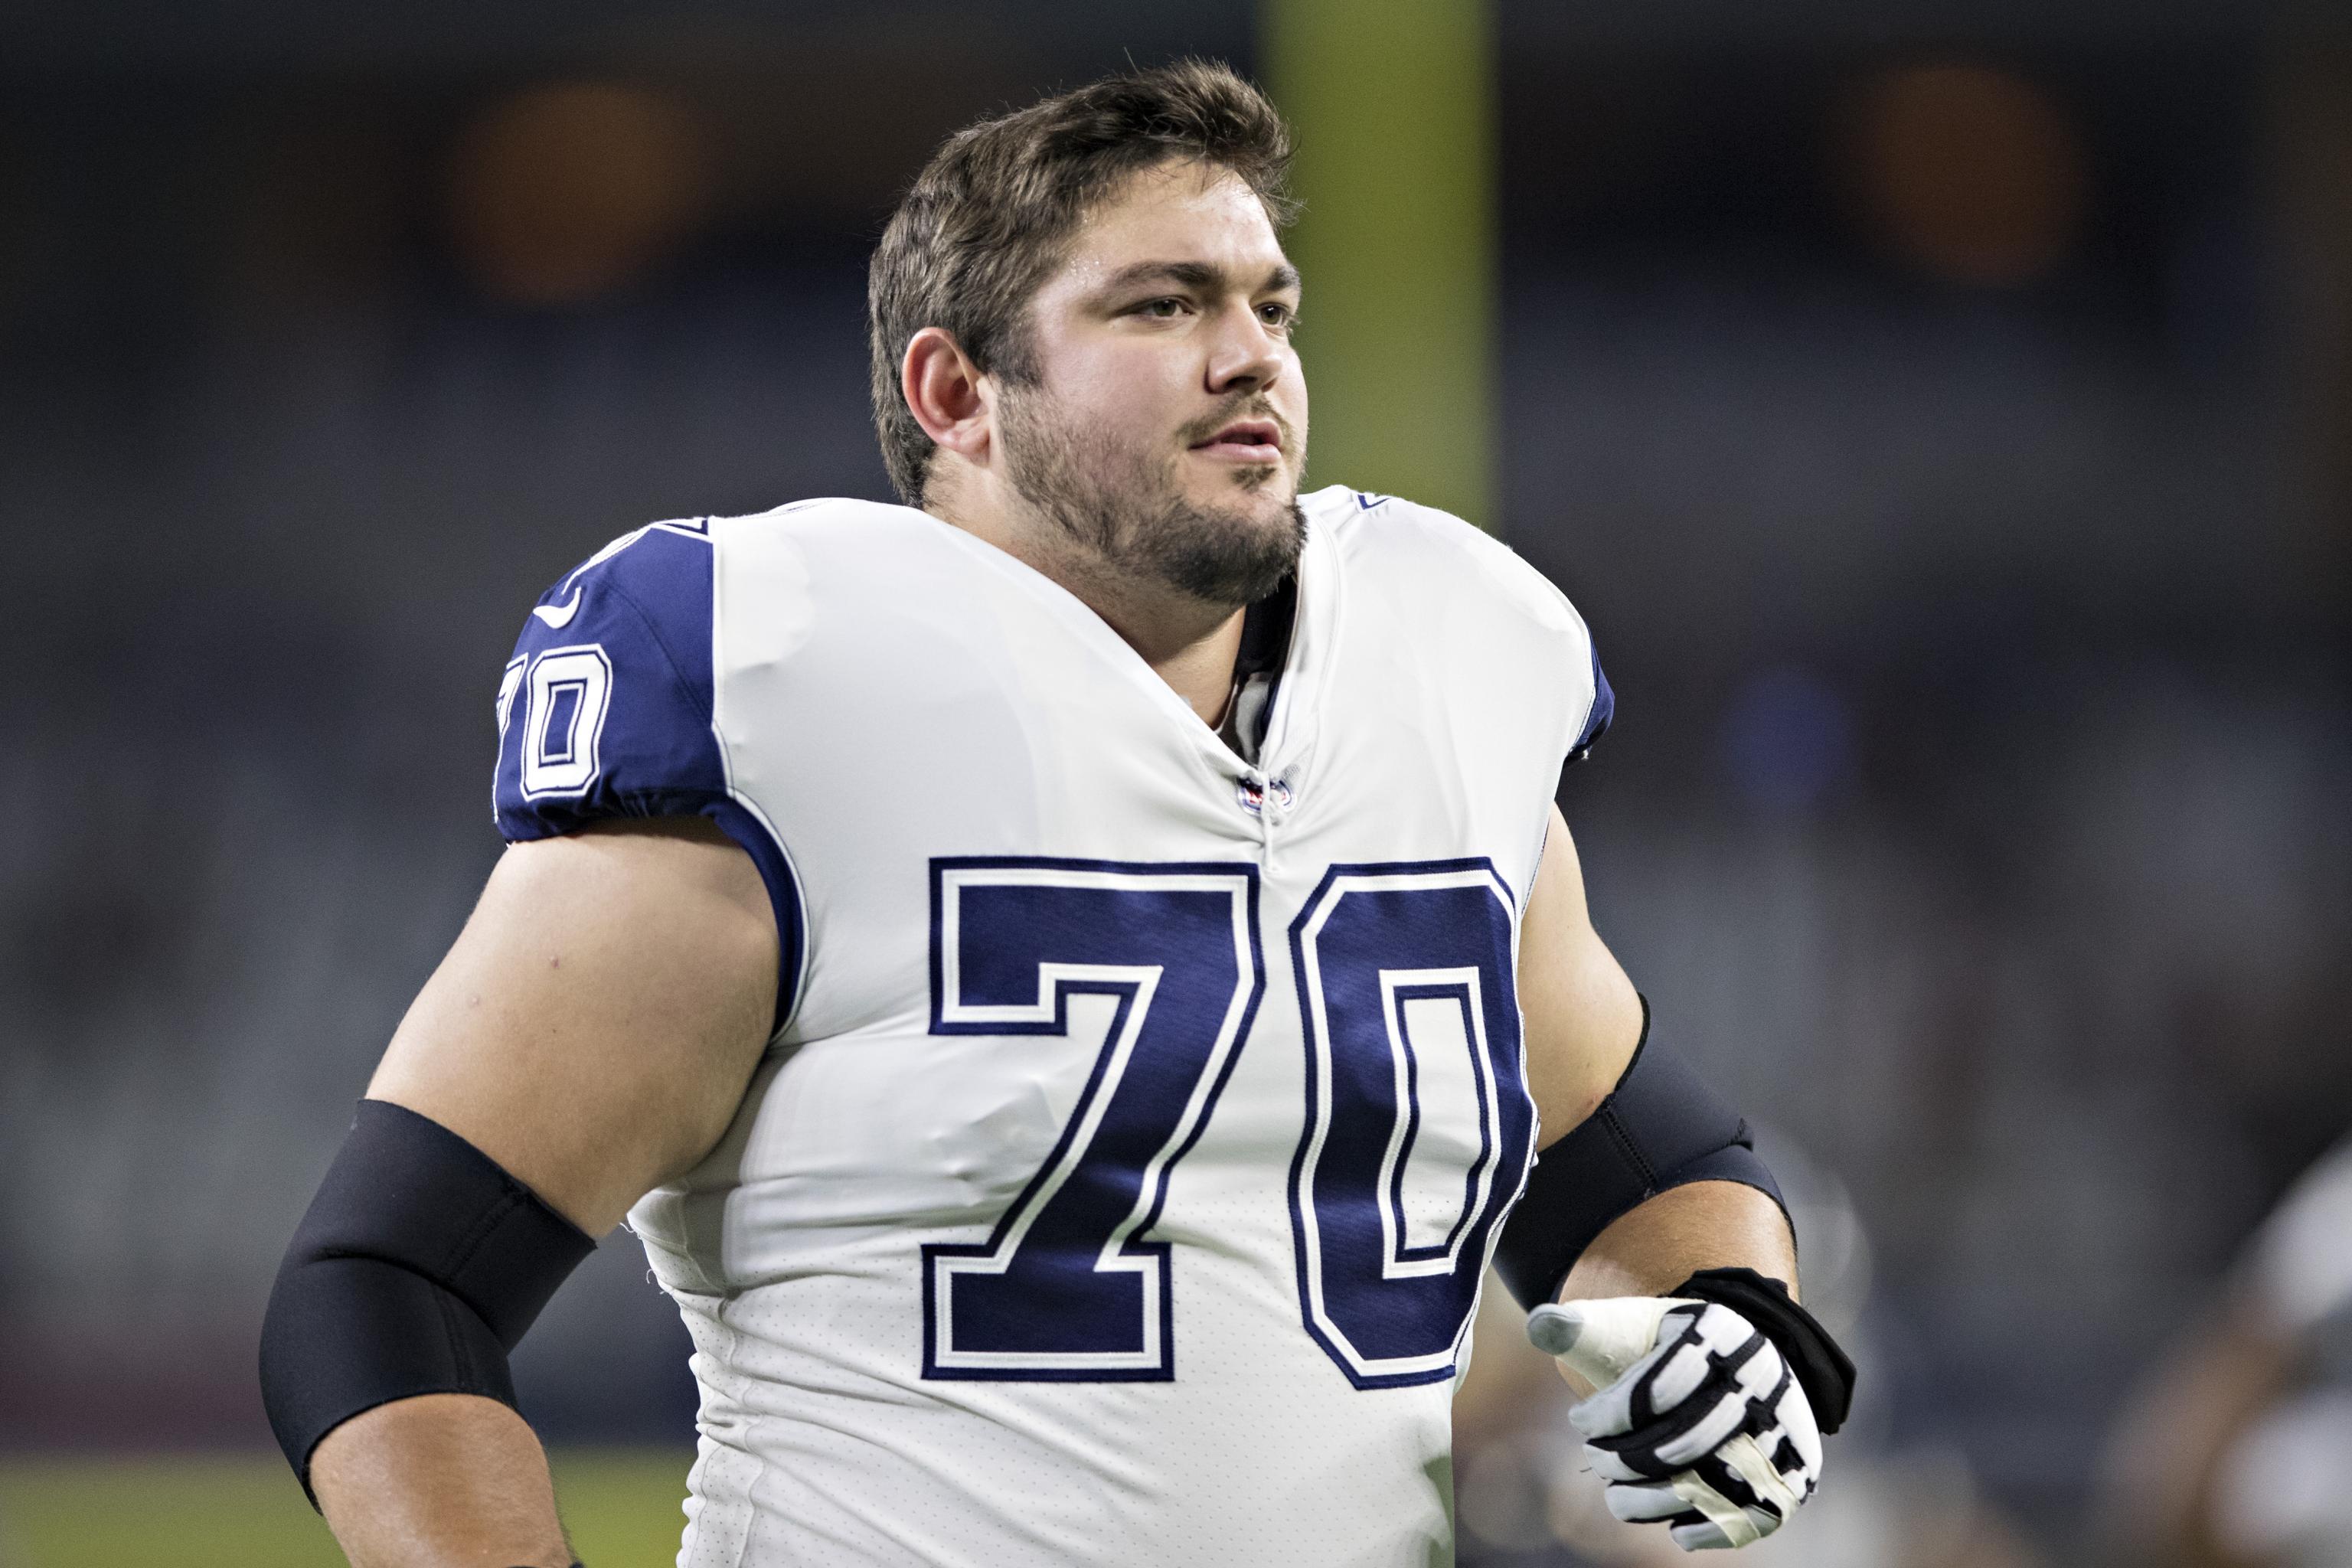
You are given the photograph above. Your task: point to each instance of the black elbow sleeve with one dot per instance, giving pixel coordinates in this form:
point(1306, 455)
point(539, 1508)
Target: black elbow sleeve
point(419, 1266)
point(1662, 1127)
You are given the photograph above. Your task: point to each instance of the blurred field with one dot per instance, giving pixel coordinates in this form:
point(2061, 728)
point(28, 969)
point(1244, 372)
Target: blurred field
point(245, 1511)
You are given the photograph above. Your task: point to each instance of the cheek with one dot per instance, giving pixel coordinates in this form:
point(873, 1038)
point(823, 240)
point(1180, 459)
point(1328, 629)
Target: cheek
point(1134, 397)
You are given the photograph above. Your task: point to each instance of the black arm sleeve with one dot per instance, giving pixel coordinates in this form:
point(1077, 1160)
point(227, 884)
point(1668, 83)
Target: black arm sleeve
point(1662, 1127)
point(419, 1266)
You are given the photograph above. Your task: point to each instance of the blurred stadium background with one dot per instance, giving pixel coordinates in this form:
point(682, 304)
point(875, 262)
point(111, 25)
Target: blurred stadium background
point(1941, 411)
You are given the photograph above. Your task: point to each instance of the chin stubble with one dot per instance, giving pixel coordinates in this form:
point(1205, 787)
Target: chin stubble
point(1138, 521)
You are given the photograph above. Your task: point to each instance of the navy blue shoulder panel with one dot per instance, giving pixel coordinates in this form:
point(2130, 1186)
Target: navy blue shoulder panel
point(605, 711)
point(1604, 708)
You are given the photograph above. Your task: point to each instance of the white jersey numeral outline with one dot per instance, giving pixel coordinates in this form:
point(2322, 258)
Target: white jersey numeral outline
point(563, 760)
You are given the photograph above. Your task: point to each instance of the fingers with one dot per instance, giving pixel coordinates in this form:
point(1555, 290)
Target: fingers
point(1727, 1502)
point(1610, 1411)
point(1701, 1514)
point(1660, 1381)
point(1704, 1535)
point(1738, 1472)
point(1716, 1424)
point(1712, 1381)
point(1643, 1502)
point(1796, 1445)
point(1708, 1433)
point(1693, 1342)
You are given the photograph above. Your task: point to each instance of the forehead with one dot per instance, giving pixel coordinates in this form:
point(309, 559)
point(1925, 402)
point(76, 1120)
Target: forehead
point(1173, 212)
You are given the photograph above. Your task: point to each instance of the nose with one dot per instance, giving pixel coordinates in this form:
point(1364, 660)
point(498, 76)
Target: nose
point(1247, 356)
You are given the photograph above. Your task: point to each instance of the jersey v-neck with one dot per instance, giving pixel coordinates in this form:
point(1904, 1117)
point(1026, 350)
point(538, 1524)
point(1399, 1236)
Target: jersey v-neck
point(1287, 640)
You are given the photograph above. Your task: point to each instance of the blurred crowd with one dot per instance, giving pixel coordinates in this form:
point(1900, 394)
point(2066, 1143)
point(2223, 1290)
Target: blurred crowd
point(1946, 430)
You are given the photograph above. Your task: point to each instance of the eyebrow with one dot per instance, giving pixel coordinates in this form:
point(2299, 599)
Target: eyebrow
point(1193, 274)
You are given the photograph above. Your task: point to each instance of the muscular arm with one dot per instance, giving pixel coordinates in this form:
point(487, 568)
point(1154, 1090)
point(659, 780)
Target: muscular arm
point(593, 1031)
point(1582, 1021)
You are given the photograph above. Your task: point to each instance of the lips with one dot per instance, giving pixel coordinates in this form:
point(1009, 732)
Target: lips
point(1246, 440)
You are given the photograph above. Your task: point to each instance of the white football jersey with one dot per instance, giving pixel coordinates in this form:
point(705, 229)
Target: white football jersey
point(1119, 1183)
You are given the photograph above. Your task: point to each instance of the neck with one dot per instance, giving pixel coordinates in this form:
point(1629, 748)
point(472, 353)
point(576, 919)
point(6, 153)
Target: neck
point(1189, 643)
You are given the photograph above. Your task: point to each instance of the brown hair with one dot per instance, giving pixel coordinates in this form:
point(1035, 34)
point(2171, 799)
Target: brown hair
point(986, 219)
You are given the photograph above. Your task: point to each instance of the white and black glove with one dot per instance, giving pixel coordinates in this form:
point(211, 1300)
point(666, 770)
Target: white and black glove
point(1700, 1422)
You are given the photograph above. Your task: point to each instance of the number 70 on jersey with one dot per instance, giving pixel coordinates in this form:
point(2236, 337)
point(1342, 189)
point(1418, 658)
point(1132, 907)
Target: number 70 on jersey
point(1415, 1120)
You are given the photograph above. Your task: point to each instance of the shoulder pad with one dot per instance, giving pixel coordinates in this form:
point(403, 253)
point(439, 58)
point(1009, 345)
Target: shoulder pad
point(605, 708)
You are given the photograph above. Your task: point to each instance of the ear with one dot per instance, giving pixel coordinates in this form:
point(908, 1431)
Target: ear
point(942, 387)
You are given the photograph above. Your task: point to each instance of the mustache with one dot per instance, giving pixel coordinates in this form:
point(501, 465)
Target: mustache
point(1243, 405)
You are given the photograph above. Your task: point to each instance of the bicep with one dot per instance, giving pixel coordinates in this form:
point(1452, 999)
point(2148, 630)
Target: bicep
point(595, 1025)
point(1580, 1013)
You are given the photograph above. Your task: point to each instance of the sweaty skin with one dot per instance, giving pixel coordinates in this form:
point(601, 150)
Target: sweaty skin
point(1170, 311)
point(599, 1019)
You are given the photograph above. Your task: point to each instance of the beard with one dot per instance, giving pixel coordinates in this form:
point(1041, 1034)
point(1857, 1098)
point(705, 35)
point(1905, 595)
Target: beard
point(1126, 506)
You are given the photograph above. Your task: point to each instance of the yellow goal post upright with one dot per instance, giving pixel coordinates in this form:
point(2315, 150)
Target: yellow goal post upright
point(1393, 105)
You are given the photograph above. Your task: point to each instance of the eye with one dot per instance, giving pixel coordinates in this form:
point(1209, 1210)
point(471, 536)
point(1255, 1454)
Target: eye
point(1166, 309)
point(1278, 315)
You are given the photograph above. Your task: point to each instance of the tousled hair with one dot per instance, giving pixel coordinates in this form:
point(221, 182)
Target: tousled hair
point(984, 222)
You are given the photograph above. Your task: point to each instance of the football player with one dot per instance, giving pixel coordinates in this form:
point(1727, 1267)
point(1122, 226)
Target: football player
point(1068, 977)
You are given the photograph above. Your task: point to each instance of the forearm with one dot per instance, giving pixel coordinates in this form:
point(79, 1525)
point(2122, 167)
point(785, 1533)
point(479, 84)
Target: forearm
point(442, 1479)
point(1665, 1239)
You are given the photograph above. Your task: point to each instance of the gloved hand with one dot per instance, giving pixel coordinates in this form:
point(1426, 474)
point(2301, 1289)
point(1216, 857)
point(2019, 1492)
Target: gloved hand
point(1698, 1422)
